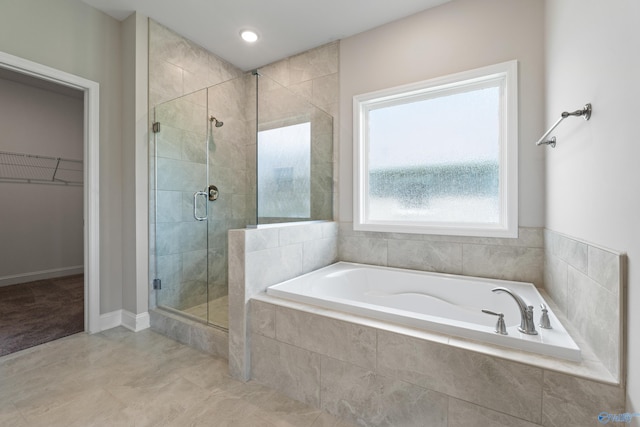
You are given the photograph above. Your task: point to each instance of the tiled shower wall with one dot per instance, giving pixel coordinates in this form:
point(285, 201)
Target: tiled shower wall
point(179, 70)
point(313, 75)
point(178, 66)
point(232, 170)
point(279, 107)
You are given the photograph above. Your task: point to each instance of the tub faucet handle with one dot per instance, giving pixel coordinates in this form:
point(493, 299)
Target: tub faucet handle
point(527, 324)
point(544, 319)
point(501, 328)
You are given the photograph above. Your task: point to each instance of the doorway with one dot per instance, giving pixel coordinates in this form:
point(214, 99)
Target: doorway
point(66, 174)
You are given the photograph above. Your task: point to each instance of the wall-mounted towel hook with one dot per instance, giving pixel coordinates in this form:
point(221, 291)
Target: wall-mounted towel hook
point(585, 112)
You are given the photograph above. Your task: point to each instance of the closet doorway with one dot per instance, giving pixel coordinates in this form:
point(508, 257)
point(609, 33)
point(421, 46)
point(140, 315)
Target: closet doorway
point(49, 260)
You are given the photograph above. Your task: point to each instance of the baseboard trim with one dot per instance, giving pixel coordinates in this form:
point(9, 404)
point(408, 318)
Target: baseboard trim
point(110, 320)
point(133, 322)
point(41, 275)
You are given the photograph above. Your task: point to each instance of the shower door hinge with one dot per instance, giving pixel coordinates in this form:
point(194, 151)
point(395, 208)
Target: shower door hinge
point(157, 284)
point(155, 127)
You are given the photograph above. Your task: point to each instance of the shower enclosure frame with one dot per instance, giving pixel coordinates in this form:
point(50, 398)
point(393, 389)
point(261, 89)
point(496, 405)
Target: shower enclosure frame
point(242, 116)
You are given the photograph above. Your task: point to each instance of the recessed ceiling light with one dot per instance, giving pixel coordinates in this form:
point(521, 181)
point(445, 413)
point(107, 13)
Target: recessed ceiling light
point(249, 36)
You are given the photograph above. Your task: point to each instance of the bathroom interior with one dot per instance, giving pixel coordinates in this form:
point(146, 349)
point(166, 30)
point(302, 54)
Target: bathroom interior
point(212, 214)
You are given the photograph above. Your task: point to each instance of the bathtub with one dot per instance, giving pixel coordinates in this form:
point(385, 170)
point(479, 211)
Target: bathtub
point(436, 302)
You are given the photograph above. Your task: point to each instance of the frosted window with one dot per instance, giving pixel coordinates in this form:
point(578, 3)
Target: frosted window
point(440, 156)
point(284, 170)
point(436, 159)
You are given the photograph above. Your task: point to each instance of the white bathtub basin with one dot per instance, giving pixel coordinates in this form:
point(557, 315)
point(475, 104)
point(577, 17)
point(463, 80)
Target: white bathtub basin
point(437, 302)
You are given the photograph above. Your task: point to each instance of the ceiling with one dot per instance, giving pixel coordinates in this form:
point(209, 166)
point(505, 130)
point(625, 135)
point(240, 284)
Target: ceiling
point(285, 27)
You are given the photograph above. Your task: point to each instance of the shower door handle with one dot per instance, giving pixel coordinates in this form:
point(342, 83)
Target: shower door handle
point(195, 205)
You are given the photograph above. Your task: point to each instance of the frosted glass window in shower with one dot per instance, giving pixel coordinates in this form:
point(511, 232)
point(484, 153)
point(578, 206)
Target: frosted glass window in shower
point(284, 171)
point(436, 159)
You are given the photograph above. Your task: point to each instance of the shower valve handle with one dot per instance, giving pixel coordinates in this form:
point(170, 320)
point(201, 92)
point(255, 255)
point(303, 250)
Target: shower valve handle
point(213, 193)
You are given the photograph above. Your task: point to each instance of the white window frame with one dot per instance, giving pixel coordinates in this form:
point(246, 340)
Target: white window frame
point(506, 74)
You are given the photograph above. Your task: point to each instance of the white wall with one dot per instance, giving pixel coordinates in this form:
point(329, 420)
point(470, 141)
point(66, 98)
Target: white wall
point(592, 174)
point(135, 143)
point(73, 37)
point(40, 224)
point(457, 36)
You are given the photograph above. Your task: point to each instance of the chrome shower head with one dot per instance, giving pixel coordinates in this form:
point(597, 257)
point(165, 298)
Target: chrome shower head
point(218, 123)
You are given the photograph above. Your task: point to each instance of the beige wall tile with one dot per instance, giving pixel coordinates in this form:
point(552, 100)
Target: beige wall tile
point(271, 266)
point(263, 318)
point(260, 239)
point(567, 249)
point(465, 414)
point(362, 249)
point(325, 90)
point(298, 377)
point(319, 253)
point(595, 312)
point(370, 399)
point(314, 63)
point(500, 262)
point(168, 82)
point(514, 388)
point(605, 268)
point(442, 257)
point(293, 234)
point(573, 402)
point(338, 339)
point(556, 280)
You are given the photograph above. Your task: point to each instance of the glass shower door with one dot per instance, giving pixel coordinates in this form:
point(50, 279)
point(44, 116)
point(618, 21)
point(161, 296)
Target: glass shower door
point(205, 147)
point(181, 205)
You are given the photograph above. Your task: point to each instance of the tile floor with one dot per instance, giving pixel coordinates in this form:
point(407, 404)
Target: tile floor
point(121, 378)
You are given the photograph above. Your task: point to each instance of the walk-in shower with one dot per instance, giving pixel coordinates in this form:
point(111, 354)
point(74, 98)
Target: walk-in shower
point(270, 161)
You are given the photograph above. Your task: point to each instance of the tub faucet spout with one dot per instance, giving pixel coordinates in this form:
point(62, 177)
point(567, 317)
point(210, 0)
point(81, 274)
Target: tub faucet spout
point(527, 325)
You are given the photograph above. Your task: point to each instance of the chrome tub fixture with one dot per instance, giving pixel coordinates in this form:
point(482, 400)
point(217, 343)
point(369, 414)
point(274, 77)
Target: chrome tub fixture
point(500, 326)
point(527, 325)
point(585, 112)
point(545, 323)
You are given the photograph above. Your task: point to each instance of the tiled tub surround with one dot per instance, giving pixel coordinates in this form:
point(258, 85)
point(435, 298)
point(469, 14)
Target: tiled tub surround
point(377, 373)
point(380, 374)
point(587, 283)
point(259, 258)
point(520, 259)
point(443, 303)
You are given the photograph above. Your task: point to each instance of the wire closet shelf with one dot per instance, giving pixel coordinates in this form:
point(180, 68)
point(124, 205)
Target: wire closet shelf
point(32, 169)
